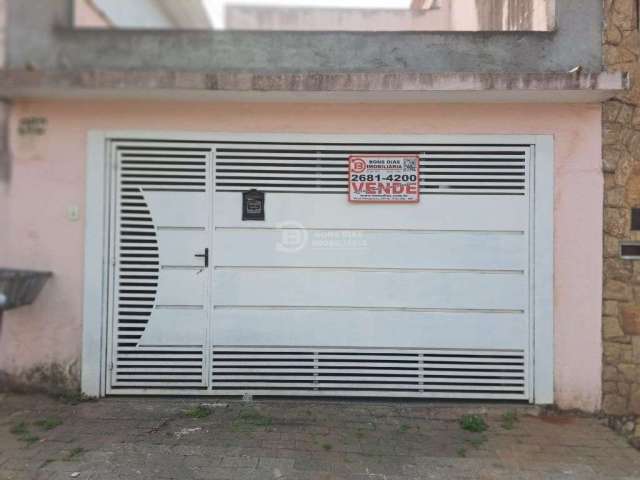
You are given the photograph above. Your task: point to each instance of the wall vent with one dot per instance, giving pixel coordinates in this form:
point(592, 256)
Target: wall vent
point(305, 168)
point(369, 372)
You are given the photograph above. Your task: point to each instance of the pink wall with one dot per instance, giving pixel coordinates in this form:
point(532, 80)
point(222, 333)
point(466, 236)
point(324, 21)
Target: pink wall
point(48, 177)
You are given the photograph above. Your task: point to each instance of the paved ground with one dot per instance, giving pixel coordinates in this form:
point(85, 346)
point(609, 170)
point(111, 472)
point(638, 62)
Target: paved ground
point(150, 438)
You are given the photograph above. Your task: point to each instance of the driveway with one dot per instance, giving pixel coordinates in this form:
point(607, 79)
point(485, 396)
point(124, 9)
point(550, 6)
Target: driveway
point(217, 439)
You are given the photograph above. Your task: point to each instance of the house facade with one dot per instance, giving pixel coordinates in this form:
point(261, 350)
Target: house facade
point(339, 213)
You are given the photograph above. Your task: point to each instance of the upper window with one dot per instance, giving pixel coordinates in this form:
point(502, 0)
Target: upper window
point(320, 15)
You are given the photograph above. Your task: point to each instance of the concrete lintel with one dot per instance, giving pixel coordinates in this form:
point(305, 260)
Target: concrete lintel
point(427, 87)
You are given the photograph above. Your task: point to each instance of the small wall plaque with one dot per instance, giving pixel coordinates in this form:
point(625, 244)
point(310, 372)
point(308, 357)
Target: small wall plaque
point(253, 205)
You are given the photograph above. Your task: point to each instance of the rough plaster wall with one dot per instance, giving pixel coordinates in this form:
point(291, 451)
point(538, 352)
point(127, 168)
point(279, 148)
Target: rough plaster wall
point(577, 41)
point(3, 32)
point(5, 159)
point(30, 30)
point(39, 343)
point(5, 153)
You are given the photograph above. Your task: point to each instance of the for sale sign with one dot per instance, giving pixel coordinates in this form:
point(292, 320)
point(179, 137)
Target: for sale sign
point(384, 178)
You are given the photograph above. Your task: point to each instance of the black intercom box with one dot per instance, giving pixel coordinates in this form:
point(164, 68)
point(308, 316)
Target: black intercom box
point(253, 205)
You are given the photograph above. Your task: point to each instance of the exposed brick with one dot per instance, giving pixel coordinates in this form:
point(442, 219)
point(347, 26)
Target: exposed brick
point(611, 246)
point(609, 373)
point(610, 308)
point(628, 371)
point(623, 14)
point(635, 349)
point(614, 197)
point(630, 315)
point(612, 34)
point(611, 328)
point(634, 401)
point(613, 353)
point(616, 222)
point(611, 134)
point(616, 290)
point(618, 269)
point(625, 115)
point(610, 111)
point(623, 388)
point(632, 194)
point(623, 169)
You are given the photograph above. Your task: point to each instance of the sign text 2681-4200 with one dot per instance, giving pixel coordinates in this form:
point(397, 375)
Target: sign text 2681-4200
point(384, 178)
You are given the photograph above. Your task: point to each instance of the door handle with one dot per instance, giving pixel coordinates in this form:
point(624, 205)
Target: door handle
point(204, 255)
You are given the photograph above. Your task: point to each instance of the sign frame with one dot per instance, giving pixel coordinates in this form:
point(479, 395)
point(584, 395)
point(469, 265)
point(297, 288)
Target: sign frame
point(384, 155)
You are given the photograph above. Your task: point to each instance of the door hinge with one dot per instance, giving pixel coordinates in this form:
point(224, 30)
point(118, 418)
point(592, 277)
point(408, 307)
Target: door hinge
point(111, 366)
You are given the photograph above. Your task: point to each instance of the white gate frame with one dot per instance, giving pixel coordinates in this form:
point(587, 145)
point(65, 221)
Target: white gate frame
point(99, 175)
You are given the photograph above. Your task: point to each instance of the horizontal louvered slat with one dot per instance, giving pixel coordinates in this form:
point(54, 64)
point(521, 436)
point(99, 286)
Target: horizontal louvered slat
point(399, 365)
point(325, 177)
point(161, 168)
point(365, 371)
point(164, 172)
point(235, 350)
point(281, 189)
point(325, 190)
point(367, 385)
point(371, 379)
point(160, 376)
point(140, 386)
point(159, 357)
point(427, 166)
point(151, 368)
point(365, 147)
point(342, 392)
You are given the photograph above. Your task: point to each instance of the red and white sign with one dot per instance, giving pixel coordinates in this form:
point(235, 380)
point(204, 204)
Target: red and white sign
point(384, 178)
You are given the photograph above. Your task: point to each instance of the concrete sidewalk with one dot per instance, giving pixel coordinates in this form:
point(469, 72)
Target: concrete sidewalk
point(153, 438)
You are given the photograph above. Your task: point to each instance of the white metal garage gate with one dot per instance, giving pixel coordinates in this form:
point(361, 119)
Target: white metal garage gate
point(324, 297)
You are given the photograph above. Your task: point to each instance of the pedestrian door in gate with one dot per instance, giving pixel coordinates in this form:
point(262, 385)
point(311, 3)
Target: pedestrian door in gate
point(161, 250)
